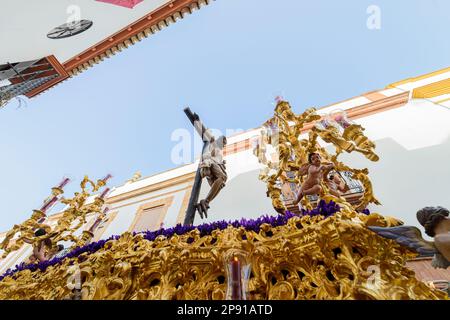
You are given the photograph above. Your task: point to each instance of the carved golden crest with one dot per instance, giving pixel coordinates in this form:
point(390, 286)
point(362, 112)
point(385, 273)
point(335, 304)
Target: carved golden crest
point(283, 132)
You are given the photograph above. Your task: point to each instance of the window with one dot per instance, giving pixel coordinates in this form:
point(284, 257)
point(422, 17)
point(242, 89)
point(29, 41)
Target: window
point(150, 216)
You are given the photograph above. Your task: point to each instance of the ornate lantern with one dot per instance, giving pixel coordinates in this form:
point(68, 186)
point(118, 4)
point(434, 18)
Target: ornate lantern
point(237, 267)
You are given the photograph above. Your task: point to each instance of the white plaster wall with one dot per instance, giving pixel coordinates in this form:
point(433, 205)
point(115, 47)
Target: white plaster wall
point(418, 124)
point(414, 167)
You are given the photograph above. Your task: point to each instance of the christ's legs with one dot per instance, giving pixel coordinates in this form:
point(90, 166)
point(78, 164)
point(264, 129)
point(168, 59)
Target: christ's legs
point(217, 185)
point(217, 181)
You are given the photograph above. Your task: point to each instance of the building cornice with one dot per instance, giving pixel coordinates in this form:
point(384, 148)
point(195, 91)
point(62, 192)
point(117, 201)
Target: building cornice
point(415, 79)
point(373, 107)
point(432, 90)
point(151, 188)
point(144, 27)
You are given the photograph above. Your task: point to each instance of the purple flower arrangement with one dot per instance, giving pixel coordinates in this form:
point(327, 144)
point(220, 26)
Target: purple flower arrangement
point(42, 266)
point(323, 209)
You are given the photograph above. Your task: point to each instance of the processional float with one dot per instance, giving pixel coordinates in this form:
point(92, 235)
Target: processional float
point(326, 250)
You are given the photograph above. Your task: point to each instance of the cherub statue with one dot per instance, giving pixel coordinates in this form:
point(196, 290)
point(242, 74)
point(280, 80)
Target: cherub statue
point(335, 185)
point(436, 222)
point(315, 171)
point(285, 133)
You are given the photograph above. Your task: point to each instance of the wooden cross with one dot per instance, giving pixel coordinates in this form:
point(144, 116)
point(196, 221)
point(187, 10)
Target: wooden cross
point(207, 138)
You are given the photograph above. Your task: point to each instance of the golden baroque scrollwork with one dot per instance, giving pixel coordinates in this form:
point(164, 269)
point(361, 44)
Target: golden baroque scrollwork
point(77, 209)
point(307, 258)
point(72, 218)
point(281, 137)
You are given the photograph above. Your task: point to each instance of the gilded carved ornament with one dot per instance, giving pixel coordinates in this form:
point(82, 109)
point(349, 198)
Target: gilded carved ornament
point(307, 258)
point(282, 134)
point(72, 218)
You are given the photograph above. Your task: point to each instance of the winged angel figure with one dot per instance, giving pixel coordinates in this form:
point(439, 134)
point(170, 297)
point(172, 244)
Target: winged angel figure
point(436, 223)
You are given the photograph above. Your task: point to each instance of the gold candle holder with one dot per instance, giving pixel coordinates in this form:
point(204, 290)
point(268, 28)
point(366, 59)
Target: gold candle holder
point(56, 191)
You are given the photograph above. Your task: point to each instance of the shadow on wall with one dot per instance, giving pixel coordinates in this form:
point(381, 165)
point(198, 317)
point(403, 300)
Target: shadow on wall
point(243, 197)
point(406, 180)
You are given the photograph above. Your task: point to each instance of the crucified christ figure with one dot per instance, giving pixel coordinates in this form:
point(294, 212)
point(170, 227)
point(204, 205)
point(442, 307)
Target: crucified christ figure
point(212, 167)
point(315, 171)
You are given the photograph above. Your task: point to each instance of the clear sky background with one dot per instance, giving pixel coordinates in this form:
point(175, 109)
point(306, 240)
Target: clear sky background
point(226, 62)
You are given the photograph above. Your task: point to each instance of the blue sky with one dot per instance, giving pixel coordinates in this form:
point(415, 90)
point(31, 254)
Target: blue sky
point(226, 62)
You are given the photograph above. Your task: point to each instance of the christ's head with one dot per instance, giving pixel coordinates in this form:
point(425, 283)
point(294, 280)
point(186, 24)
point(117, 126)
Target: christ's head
point(222, 140)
